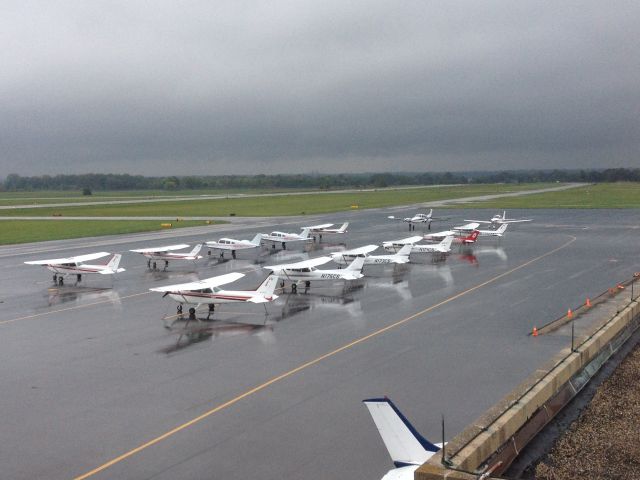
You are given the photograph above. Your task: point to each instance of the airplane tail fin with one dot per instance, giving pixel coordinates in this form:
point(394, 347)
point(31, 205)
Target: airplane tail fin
point(405, 445)
point(269, 285)
point(343, 228)
point(256, 239)
point(112, 266)
point(195, 250)
point(446, 242)
point(473, 236)
point(502, 228)
point(356, 265)
point(305, 232)
point(405, 250)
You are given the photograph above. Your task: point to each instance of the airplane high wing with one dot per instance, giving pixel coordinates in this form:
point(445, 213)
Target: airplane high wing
point(77, 266)
point(207, 292)
point(347, 256)
point(501, 219)
point(233, 244)
point(306, 271)
point(466, 228)
point(407, 448)
point(395, 245)
point(284, 238)
point(203, 284)
point(166, 253)
point(498, 232)
point(325, 228)
point(76, 260)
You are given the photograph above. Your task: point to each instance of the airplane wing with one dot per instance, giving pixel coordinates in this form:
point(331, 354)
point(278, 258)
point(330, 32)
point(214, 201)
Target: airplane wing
point(516, 221)
point(468, 226)
point(314, 262)
point(205, 283)
point(319, 227)
point(76, 259)
point(415, 239)
point(357, 251)
point(478, 221)
point(168, 248)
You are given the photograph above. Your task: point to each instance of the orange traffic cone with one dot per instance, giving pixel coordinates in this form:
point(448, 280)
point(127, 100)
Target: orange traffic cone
point(569, 314)
point(588, 304)
point(534, 332)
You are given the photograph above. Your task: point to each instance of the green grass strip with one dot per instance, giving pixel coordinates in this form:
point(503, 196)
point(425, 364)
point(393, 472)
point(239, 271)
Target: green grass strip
point(23, 231)
point(601, 195)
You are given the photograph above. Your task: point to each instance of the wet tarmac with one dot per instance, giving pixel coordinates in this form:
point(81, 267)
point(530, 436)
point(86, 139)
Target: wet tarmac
point(93, 378)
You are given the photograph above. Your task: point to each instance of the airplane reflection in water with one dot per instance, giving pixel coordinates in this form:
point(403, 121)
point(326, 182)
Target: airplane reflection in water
point(59, 295)
point(343, 303)
point(195, 333)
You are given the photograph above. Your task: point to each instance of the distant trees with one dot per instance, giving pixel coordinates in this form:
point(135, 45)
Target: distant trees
point(102, 182)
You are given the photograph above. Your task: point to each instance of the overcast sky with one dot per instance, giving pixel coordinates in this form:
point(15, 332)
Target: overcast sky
point(212, 87)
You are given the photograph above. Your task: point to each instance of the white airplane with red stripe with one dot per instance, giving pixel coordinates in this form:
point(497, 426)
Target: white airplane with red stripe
point(284, 238)
point(77, 266)
point(233, 244)
point(167, 253)
point(207, 291)
point(326, 228)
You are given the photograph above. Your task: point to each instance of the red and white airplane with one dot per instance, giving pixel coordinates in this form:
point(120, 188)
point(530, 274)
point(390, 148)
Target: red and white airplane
point(326, 228)
point(77, 266)
point(458, 236)
point(233, 244)
point(501, 219)
point(284, 238)
point(167, 253)
point(207, 291)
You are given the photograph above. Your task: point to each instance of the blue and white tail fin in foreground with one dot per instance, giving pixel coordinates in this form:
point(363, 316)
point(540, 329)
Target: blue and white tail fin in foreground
point(405, 445)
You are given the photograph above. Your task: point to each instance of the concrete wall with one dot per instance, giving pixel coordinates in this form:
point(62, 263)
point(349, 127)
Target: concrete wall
point(499, 434)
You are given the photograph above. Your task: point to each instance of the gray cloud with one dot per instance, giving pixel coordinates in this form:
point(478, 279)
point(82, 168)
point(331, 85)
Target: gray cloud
point(257, 87)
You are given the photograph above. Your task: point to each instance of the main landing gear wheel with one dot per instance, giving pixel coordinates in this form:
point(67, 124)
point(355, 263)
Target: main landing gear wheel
point(212, 308)
point(294, 288)
point(166, 264)
point(307, 284)
point(284, 246)
point(148, 263)
point(79, 278)
point(233, 254)
point(55, 279)
point(179, 310)
point(60, 281)
point(192, 312)
point(155, 265)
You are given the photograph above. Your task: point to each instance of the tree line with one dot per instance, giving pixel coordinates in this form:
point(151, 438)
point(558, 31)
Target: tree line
point(102, 182)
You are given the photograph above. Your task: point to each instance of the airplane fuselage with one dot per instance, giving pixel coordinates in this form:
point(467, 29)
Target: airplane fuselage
point(74, 269)
point(223, 296)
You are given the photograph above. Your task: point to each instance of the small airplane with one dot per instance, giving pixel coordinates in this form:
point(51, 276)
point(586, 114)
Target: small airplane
point(407, 448)
point(207, 292)
point(77, 266)
point(498, 232)
point(325, 228)
point(441, 248)
point(396, 245)
point(418, 218)
point(458, 236)
point(306, 271)
point(233, 244)
point(347, 256)
point(501, 219)
point(284, 238)
point(165, 253)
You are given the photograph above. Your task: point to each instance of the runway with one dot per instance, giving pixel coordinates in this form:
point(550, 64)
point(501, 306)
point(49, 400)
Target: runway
point(95, 387)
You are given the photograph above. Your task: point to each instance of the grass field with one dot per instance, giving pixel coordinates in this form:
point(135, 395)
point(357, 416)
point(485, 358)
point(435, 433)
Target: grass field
point(313, 203)
point(601, 195)
point(72, 196)
point(23, 231)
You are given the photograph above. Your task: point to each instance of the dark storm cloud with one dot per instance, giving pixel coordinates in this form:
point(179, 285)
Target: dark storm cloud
point(237, 87)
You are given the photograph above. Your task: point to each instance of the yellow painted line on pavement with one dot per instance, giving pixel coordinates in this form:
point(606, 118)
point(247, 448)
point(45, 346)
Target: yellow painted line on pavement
point(77, 307)
point(310, 363)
